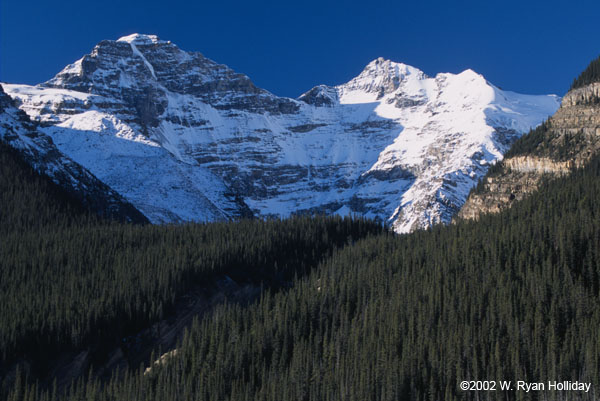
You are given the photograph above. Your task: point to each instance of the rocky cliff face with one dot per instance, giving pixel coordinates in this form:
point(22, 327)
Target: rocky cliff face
point(570, 139)
point(184, 138)
point(541, 165)
point(499, 192)
point(38, 149)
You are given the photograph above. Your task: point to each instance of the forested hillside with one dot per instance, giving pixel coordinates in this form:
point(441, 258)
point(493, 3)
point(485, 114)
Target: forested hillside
point(514, 296)
point(30, 201)
point(69, 281)
point(590, 75)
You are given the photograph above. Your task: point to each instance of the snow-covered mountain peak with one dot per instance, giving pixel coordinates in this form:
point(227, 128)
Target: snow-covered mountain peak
point(141, 39)
point(144, 71)
point(383, 67)
point(378, 79)
point(468, 74)
point(467, 78)
point(185, 138)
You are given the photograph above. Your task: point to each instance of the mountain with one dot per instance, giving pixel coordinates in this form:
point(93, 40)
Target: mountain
point(38, 150)
point(184, 138)
point(568, 140)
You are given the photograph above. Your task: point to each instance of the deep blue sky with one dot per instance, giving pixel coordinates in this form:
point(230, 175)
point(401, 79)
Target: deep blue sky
point(288, 47)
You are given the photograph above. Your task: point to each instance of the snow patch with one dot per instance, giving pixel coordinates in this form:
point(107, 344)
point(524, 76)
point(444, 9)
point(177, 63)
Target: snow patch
point(142, 39)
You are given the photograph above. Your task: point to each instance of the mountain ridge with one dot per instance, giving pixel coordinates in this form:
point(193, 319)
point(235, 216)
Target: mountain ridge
point(390, 144)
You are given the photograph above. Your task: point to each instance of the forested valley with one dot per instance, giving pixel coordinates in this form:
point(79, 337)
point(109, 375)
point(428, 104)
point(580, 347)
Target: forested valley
point(347, 310)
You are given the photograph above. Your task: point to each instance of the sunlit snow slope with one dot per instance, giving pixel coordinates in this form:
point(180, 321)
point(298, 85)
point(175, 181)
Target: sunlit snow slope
point(184, 138)
point(38, 149)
